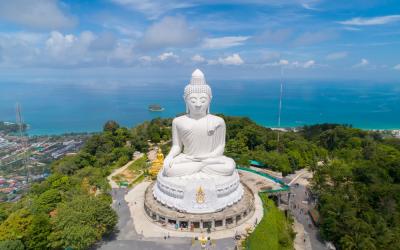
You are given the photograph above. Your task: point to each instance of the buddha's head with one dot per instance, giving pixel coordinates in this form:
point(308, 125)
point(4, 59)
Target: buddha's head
point(197, 95)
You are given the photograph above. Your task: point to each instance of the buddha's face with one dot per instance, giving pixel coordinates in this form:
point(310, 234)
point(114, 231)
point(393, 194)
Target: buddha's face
point(198, 103)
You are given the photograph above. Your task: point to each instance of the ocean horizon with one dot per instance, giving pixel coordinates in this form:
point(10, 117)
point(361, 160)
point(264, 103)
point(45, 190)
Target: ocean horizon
point(53, 108)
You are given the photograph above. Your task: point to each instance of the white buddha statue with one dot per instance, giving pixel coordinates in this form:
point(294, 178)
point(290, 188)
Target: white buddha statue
point(198, 138)
point(196, 176)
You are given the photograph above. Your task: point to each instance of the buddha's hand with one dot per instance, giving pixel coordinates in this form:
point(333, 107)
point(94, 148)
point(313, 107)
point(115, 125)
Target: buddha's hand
point(201, 157)
point(194, 158)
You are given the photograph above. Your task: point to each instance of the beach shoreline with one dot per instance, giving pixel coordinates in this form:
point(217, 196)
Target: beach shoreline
point(394, 132)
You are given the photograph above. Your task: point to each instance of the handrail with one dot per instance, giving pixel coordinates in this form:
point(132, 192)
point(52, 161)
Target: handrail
point(283, 188)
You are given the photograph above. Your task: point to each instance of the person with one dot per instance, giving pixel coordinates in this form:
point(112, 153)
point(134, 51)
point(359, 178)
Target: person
point(198, 138)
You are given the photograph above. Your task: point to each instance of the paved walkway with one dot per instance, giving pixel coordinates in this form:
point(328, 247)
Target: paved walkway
point(120, 170)
point(299, 207)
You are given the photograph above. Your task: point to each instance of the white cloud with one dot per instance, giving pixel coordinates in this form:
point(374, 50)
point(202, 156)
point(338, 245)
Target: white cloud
point(273, 36)
point(233, 59)
point(305, 65)
point(123, 53)
point(145, 59)
point(269, 55)
point(169, 32)
point(283, 62)
point(58, 49)
point(39, 14)
point(198, 58)
point(364, 62)
point(309, 64)
point(336, 55)
point(380, 20)
point(20, 48)
point(104, 41)
point(294, 64)
point(58, 43)
point(167, 55)
point(348, 28)
point(397, 67)
point(309, 38)
point(152, 8)
point(69, 46)
point(308, 6)
point(224, 42)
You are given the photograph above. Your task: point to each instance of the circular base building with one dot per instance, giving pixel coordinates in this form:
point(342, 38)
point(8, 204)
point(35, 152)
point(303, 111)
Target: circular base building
point(170, 217)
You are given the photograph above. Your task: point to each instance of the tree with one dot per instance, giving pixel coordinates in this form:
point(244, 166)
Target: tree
point(238, 150)
point(110, 126)
point(88, 217)
point(47, 201)
point(38, 232)
point(11, 245)
point(16, 225)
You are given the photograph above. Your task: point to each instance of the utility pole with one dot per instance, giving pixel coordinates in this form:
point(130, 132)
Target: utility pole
point(24, 142)
point(280, 108)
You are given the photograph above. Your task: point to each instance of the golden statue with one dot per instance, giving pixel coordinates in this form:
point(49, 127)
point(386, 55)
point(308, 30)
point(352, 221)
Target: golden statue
point(157, 164)
point(200, 195)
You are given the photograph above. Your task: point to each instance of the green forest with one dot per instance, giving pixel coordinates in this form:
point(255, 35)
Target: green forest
point(356, 183)
point(356, 176)
point(71, 208)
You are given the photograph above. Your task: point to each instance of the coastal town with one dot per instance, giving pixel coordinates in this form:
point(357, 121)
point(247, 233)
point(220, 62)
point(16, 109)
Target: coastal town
point(24, 159)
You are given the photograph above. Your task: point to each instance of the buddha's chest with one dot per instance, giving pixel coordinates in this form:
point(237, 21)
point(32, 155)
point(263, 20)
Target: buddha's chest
point(193, 128)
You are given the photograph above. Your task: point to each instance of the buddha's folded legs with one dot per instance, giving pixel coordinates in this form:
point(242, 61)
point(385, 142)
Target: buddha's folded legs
point(222, 166)
point(182, 169)
point(182, 165)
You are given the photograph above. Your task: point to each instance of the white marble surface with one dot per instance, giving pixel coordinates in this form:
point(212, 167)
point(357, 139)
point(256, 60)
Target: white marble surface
point(196, 160)
point(181, 192)
point(145, 227)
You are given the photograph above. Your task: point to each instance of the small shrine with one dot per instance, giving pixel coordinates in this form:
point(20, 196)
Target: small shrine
point(157, 164)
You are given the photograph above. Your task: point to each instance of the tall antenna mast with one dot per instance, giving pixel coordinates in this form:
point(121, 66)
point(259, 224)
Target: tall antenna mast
point(280, 108)
point(20, 124)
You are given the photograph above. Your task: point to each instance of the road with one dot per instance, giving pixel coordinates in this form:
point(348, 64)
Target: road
point(299, 206)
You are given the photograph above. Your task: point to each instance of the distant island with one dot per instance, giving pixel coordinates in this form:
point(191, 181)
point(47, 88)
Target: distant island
point(155, 108)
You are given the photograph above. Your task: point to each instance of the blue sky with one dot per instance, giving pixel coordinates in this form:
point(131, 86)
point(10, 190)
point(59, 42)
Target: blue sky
point(158, 39)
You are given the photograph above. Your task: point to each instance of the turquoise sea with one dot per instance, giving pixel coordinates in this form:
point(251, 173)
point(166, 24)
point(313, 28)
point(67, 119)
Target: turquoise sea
point(51, 108)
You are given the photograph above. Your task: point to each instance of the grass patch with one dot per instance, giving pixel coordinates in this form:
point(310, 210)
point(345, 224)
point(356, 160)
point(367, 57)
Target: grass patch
point(139, 179)
point(139, 164)
point(274, 231)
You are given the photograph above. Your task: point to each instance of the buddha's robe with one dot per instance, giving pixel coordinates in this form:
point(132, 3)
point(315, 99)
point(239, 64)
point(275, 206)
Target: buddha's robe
point(202, 137)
